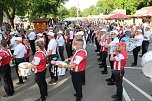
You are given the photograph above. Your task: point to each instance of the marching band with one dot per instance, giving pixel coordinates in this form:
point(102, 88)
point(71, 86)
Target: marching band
point(110, 40)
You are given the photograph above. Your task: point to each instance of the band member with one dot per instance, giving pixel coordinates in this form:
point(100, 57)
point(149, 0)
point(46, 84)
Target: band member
point(112, 45)
point(32, 37)
point(100, 38)
point(52, 53)
point(67, 43)
point(138, 41)
point(19, 54)
point(145, 43)
point(12, 42)
point(5, 69)
point(104, 51)
point(39, 64)
point(78, 65)
point(119, 63)
point(27, 55)
point(60, 41)
point(39, 37)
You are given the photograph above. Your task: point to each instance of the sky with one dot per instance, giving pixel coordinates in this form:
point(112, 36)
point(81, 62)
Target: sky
point(82, 3)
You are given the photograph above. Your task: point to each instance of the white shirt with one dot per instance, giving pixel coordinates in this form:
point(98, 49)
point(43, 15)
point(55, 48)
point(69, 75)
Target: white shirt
point(52, 46)
point(113, 44)
point(140, 40)
point(13, 42)
point(148, 35)
point(20, 51)
point(71, 34)
point(60, 41)
point(85, 44)
point(32, 36)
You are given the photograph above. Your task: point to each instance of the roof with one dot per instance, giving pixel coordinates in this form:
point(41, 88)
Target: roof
point(41, 20)
point(118, 16)
point(145, 11)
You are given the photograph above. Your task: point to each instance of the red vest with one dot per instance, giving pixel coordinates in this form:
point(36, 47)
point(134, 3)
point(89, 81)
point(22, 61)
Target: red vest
point(119, 65)
point(5, 54)
point(42, 65)
point(82, 65)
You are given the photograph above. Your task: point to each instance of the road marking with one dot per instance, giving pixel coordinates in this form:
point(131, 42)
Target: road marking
point(131, 67)
point(126, 96)
point(138, 89)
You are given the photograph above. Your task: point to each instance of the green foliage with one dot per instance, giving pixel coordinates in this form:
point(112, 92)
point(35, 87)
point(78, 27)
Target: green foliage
point(62, 12)
point(73, 11)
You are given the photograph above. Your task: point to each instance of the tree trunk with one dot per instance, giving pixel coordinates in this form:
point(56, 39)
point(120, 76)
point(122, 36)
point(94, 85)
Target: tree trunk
point(1, 15)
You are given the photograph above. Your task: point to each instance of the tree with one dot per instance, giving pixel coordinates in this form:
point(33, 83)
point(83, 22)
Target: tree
point(62, 12)
point(92, 10)
point(73, 11)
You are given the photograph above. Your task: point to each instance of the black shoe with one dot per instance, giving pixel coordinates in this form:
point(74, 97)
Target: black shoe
point(7, 95)
point(133, 65)
point(83, 84)
point(114, 96)
point(40, 99)
point(104, 72)
point(117, 99)
point(18, 83)
point(52, 82)
point(111, 83)
point(109, 80)
point(96, 50)
point(99, 59)
point(75, 95)
point(100, 66)
point(25, 78)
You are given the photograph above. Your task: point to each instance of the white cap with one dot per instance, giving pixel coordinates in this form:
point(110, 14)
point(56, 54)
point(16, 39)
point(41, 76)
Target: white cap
point(103, 30)
point(147, 26)
point(79, 33)
point(30, 29)
point(139, 30)
point(60, 32)
point(51, 34)
point(11, 33)
point(18, 39)
point(114, 31)
point(51, 31)
point(40, 34)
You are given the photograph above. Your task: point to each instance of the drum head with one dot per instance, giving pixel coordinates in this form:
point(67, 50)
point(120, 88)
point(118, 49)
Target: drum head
point(21, 65)
point(147, 69)
point(130, 45)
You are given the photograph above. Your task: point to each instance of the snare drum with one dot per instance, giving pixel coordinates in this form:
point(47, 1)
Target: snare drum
point(23, 71)
point(130, 45)
point(146, 62)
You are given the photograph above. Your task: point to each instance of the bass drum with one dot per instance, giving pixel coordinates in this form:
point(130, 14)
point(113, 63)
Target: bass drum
point(130, 45)
point(146, 62)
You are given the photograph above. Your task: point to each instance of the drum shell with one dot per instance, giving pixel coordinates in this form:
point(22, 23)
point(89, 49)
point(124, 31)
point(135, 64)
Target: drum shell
point(25, 71)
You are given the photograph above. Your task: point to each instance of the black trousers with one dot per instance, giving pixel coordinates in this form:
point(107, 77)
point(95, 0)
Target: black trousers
point(5, 74)
point(118, 75)
point(111, 65)
point(77, 84)
point(97, 44)
point(32, 44)
point(68, 50)
point(104, 58)
point(100, 54)
point(135, 54)
point(145, 45)
point(61, 52)
point(71, 51)
point(83, 77)
point(53, 74)
point(41, 82)
point(93, 38)
point(17, 62)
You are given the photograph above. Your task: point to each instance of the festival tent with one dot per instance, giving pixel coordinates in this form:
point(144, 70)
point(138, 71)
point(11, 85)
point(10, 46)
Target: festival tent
point(118, 16)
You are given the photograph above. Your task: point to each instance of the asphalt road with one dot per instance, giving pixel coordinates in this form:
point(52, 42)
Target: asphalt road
point(137, 87)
